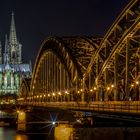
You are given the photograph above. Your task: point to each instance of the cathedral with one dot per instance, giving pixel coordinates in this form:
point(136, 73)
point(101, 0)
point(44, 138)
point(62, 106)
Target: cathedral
point(12, 70)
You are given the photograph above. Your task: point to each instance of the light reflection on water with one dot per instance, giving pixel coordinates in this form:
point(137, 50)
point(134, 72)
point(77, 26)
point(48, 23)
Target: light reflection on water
point(21, 137)
point(100, 133)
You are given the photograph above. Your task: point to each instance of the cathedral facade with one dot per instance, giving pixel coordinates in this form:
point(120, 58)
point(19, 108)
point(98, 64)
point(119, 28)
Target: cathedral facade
point(12, 70)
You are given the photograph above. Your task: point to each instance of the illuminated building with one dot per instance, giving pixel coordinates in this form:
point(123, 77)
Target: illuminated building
point(12, 70)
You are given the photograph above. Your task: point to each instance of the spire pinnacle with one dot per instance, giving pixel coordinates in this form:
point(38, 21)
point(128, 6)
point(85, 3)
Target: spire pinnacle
point(12, 13)
point(6, 44)
point(12, 36)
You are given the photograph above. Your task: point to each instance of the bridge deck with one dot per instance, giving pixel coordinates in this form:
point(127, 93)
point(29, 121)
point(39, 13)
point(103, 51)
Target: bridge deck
point(130, 107)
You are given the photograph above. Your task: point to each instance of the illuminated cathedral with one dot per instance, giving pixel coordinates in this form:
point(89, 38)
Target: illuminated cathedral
point(12, 70)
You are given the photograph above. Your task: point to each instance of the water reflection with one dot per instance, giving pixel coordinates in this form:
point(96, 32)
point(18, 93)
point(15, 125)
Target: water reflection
point(21, 137)
point(69, 133)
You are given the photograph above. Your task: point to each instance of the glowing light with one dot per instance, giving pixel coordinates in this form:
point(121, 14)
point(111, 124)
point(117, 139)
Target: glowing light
point(81, 89)
point(94, 88)
point(78, 91)
point(59, 93)
point(18, 111)
point(137, 82)
point(49, 95)
point(44, 95)
point(108, 88)
point(37, 96)
point(132, 85)
point(91, 90)
point(40, 96)
point(53, 94)
point(112, 86)
point(53, 123)
point(66, 92)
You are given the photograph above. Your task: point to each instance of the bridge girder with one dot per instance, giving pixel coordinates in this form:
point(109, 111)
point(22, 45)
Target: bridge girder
point(106, 62)
point(100, 69)
point(64, 60)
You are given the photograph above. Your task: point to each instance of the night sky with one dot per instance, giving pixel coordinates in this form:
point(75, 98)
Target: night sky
point(37, 19)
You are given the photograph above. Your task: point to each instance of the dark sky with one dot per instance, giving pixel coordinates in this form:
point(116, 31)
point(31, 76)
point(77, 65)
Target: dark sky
point(37, 19)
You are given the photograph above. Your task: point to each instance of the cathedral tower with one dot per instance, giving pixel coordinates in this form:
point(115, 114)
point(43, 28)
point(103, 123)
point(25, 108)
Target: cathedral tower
point(0, 53)
point(12, 70)
point(14, 45)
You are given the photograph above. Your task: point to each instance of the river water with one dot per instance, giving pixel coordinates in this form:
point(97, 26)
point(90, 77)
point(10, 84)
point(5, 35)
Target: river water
point(100, 133)
point(11, 134)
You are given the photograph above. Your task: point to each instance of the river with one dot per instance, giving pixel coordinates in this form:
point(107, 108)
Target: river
point(100, 133)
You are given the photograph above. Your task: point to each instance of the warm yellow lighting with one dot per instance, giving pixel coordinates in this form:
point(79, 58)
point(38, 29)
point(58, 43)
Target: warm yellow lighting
point(66, 92)
point(81, 89)
point(91, 90)
point(53, 94)
point(40, 96)
point(63, 132)
point(78, 91)
point(112, 86)
point(18, 111)
point(132, 85)
point(37, 96)
point(108, 88)
point(137, 82)
point(94, 88)
point(49, 95)
point(44, 95)
point(59, 93)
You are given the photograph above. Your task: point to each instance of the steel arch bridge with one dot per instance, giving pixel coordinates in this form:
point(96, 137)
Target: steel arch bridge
point(87, 70)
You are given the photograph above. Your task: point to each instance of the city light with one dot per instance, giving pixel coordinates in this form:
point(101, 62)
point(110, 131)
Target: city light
point(108, 88)
point(94, 88)
point(112, 86)
point(132, 85)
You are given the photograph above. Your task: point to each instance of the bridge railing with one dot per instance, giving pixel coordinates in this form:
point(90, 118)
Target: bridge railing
point(110, 106)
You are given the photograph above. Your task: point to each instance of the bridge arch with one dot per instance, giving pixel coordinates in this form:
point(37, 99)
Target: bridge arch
point(24, 88)
point(116, 61)
point(55, 70)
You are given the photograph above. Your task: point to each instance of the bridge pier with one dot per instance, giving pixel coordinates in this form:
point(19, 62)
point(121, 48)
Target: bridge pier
point(64, 132)
point(21, 121)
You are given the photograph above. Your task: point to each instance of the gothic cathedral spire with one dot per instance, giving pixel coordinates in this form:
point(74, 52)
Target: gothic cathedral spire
point(0, 53)
point(6, 56)
point(13, 36)
point(15, 46)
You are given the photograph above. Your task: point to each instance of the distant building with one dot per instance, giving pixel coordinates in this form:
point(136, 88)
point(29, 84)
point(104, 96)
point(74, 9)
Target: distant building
point(12, 70)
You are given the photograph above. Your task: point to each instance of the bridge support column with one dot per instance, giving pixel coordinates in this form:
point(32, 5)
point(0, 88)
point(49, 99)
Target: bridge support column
point(83, 96)
point(83, 91)
point(60, 134)
point(139, 83)
point(21, 121)
point(116, 77)
point(106, 80)
point(127, 89)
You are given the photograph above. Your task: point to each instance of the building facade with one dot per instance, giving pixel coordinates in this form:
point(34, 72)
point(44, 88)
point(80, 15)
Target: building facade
point(12, 70)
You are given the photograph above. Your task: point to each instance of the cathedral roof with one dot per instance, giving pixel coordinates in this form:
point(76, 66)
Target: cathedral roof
point(16, 67)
